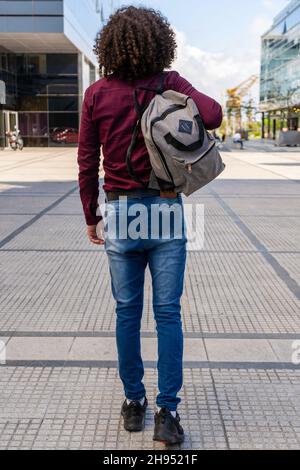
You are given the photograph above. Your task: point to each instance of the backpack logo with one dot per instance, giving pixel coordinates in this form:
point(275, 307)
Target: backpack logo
point(186, 127)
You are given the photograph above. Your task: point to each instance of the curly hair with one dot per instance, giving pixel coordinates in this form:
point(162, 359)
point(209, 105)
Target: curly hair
point(135, 43)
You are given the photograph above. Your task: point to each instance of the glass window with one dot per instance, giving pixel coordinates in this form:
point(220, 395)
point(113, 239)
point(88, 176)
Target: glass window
point(33, 103)
point(92, 74)
point(35, 141)
point(63, 89)
point(31, 64)
point(2, 130)
point(33, 124)
point(63, 128)
point(67, 120)
point(62, 64)
point(63, 103)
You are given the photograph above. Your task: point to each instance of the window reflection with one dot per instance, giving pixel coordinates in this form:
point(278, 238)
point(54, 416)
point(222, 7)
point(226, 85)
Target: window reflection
point(62, 63)
point(63, 128)
point(33, 124)
point(44, 89)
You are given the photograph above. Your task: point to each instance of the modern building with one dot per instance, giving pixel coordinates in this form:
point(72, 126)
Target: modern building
point(46, 63)
point(280, 73)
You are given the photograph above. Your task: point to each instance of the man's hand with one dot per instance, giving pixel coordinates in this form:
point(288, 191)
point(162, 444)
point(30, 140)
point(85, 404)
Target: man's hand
point(96, 233)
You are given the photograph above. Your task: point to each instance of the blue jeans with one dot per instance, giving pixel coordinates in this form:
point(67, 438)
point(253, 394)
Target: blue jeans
point(128, 258)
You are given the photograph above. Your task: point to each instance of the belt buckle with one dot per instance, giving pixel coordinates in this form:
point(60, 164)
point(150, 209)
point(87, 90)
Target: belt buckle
point(168, 194)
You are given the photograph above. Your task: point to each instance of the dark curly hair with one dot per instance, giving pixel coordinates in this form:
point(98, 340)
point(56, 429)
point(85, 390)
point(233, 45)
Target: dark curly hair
point(135, 43)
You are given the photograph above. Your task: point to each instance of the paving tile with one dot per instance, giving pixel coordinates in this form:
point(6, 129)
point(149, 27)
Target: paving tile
point(239, 350)
point(285, 350)
point(38, 348)
point(276, 233)
point(53, 280)
point(73, 408)
point(56, 291)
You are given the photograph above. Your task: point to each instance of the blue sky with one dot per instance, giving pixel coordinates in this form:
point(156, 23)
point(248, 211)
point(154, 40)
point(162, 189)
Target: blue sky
point(219, 41)
point(217, 25)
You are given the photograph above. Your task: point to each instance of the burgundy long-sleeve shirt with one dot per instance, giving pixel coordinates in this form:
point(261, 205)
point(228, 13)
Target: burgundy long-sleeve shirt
point(107, 120)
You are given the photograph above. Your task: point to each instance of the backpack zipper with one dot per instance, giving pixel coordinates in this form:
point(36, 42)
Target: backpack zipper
point(189, 166)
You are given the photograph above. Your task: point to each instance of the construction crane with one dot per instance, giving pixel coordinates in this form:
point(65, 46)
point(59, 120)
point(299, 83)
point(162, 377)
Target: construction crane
point(234, 102)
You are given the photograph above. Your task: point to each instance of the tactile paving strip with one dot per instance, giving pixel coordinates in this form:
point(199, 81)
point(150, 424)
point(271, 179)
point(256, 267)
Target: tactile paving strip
point(291, 262)
point(9, 223)
point(276, 233)
point(275, 206)
point(255, 187)
point(54, 232)
point(22, 204)
point(260, 409)
point(46, 408)
point(56, 291)
point(235, 293)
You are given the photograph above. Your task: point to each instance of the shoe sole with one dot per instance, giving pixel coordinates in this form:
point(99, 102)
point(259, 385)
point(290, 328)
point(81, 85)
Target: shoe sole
point(169, 440)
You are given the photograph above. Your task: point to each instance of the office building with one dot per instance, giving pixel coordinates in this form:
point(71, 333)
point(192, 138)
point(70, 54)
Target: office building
point(280, 73)
point(46, 63)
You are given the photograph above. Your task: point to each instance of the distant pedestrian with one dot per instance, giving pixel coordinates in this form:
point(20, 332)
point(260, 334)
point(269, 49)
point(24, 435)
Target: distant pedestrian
point(134, 49)
point(216, 136)
point(237, 139)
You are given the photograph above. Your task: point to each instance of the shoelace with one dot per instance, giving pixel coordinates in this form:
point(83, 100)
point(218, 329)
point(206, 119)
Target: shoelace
point(134, 407)
point(164, 416)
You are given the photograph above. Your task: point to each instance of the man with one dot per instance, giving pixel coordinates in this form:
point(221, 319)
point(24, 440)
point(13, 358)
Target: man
point(237, 139)
point(134, 49)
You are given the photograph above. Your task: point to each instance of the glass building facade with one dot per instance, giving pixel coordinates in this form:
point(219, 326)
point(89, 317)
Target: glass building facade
point(280, 73)
point(46, 63)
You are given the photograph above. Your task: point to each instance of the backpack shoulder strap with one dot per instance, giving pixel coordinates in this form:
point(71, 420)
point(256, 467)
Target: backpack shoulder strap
point(158, 90)
point(140, 111)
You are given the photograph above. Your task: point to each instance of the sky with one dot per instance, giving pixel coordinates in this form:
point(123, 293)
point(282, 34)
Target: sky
point(218, 41)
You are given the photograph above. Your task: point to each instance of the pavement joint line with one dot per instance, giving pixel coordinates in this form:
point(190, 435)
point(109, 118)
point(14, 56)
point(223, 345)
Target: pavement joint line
point(281, 272)
point(217, 399)
point(23, 227)
point(147, 334)
point(208, 216)
point(219, 409)
point(153, 364)
point(101, 250)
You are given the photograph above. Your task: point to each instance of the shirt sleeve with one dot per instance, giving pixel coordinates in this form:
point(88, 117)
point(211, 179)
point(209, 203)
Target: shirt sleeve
point(209, 109)
point(89, 162)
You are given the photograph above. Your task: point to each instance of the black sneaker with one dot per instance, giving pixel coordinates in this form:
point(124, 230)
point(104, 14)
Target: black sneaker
point(134, 415)
point(167, 428)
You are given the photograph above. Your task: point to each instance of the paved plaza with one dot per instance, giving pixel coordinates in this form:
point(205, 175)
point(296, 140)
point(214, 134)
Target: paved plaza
point(59, 384)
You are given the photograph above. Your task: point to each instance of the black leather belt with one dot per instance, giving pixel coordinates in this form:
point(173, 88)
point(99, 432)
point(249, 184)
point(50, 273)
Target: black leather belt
point(139, 194)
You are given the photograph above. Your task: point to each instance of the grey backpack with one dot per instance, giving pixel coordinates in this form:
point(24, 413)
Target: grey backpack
point(183, 154)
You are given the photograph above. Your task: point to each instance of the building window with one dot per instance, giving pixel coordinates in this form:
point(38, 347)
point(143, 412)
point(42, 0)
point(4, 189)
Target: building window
point(63, 129)
point(63, 103)
point(33, 124)
point(61, 64)
point(92, 74)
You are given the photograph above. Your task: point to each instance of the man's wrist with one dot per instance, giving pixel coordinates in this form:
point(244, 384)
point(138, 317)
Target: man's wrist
point(92, 221)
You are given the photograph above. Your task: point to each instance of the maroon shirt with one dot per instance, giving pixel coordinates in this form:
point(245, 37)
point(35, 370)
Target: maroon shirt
point(107, 120)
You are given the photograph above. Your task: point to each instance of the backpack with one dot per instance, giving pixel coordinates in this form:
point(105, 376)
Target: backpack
point(183, 154)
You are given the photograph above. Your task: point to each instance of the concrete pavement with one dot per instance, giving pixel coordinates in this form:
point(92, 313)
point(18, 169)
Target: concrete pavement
point(241, 312)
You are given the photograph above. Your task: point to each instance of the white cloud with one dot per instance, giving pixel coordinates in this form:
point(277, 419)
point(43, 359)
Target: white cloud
point(260, 25)
point(213, 73)
point(268, 3)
